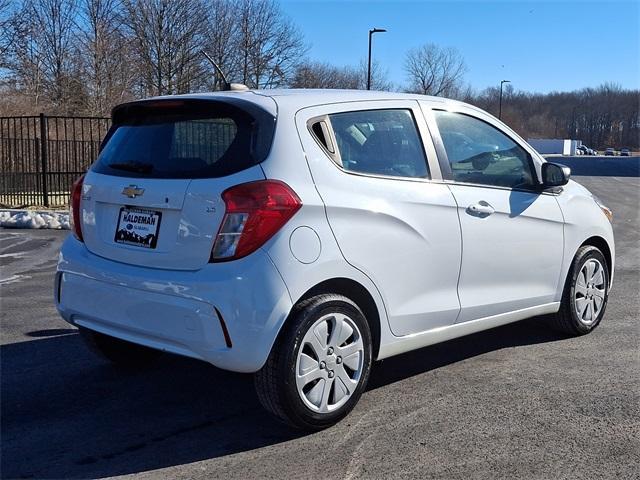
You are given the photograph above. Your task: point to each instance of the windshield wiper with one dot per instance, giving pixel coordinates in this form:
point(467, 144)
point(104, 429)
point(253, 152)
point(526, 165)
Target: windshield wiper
point(132, 167)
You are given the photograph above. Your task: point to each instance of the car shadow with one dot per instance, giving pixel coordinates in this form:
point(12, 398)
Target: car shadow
point(519, 201)
point(67, 414)
point(526, 332)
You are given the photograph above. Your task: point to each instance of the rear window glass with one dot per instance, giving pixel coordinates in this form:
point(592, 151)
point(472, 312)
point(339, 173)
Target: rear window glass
point(187, 140)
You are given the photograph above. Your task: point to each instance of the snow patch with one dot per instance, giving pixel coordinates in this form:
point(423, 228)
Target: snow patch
point(33, 219)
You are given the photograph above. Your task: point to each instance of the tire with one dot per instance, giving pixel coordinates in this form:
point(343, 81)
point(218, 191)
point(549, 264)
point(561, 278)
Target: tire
point(574, 317)
point(337, 383)
point(119, 352)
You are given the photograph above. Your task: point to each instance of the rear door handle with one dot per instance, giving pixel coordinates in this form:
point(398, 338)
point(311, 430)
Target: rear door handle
point(481, 209)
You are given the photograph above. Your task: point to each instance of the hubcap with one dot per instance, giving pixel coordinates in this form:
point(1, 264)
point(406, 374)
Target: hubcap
point(590, 291)
point(329, 363)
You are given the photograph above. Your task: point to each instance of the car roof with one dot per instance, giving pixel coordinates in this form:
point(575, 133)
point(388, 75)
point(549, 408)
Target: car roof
point(300, 98)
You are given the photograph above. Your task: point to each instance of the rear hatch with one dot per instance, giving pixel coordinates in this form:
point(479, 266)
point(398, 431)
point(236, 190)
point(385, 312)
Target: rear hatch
point(153, 197)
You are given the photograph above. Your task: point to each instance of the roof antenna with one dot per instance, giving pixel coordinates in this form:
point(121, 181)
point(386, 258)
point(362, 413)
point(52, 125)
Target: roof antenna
point(225, 85)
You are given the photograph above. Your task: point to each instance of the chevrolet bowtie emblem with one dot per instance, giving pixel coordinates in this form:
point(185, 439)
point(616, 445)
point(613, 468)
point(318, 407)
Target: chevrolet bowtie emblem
point(132, 191)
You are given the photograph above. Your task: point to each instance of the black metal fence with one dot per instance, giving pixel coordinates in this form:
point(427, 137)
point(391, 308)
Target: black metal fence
point(41, 156)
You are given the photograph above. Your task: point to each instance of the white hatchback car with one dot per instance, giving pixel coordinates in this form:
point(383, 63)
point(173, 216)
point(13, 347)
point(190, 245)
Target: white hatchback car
point(303, 234)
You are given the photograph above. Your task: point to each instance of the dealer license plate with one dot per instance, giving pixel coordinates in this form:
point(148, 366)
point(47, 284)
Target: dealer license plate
point(138, 227)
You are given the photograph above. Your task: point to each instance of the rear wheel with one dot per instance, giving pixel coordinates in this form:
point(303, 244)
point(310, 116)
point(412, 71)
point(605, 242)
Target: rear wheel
point(119, 352)
point(586, 292)
point(320, 364)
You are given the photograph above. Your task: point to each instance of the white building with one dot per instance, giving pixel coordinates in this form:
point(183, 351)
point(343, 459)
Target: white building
point(555, 145)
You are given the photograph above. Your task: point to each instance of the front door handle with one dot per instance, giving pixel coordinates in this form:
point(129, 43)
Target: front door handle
point(481, 209)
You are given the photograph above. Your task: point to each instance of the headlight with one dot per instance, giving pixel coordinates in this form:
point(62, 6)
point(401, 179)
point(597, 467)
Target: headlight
point(606, 210)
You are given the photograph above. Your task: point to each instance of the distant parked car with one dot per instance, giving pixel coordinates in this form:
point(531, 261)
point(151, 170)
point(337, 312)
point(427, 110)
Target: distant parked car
point(586, 150)
point(625, 152)
point(610, 151)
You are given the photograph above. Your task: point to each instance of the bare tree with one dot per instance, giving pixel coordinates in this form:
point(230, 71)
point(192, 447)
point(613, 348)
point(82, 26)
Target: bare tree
point(269, 46)
point(434, 70)
point(43, 52)
point(605, 116)
point(105, 55)
point(222, 41)
point(379, 77)
point(87, 55)
point(54, 26)
point(21, 60)
point(324, 75)
point(7, 10)
point(167, 36)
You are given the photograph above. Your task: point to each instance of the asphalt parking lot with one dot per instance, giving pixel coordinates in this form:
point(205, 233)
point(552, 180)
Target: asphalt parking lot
point(519, 401)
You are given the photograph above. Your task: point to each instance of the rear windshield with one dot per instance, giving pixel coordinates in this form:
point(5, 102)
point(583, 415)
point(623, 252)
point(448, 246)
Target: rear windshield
point(185, 139)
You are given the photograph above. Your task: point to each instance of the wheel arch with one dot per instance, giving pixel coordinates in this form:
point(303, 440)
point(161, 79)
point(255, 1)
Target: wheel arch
point(602, 245)
point(356, 292)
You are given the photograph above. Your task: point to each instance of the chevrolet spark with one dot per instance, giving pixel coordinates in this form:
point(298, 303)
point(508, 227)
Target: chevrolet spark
point(302, 235)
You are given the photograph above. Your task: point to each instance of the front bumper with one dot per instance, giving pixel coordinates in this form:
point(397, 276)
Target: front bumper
point(177, 311)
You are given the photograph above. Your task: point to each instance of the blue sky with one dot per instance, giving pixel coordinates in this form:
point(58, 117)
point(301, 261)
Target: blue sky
point(540, 46)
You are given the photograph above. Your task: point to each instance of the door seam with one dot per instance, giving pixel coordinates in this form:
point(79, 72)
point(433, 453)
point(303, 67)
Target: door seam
point(461, 255)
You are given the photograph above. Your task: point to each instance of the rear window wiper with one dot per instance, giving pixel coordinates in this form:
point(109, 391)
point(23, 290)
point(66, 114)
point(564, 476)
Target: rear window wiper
point(132, 167)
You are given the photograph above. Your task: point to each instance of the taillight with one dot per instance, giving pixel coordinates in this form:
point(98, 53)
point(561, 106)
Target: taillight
point(74, 208)
point(255, 211)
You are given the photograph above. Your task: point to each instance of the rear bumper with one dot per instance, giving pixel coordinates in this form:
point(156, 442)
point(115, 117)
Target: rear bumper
point(177, 311)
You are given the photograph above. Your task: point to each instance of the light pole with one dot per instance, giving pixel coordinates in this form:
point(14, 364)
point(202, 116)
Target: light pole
point(502, 82)
point(371, 32)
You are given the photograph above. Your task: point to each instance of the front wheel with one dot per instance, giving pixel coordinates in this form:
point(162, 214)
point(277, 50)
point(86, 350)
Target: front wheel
point(320, 364)
point(586, 293)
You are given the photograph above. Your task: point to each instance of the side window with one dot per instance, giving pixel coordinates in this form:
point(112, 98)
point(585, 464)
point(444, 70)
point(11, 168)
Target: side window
point(380, 142)
point(480, 153)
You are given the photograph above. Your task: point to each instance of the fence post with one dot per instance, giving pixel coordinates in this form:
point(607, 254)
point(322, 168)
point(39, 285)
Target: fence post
point(43, 158)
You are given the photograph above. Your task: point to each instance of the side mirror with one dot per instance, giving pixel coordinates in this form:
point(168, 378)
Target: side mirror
point(555, 175)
